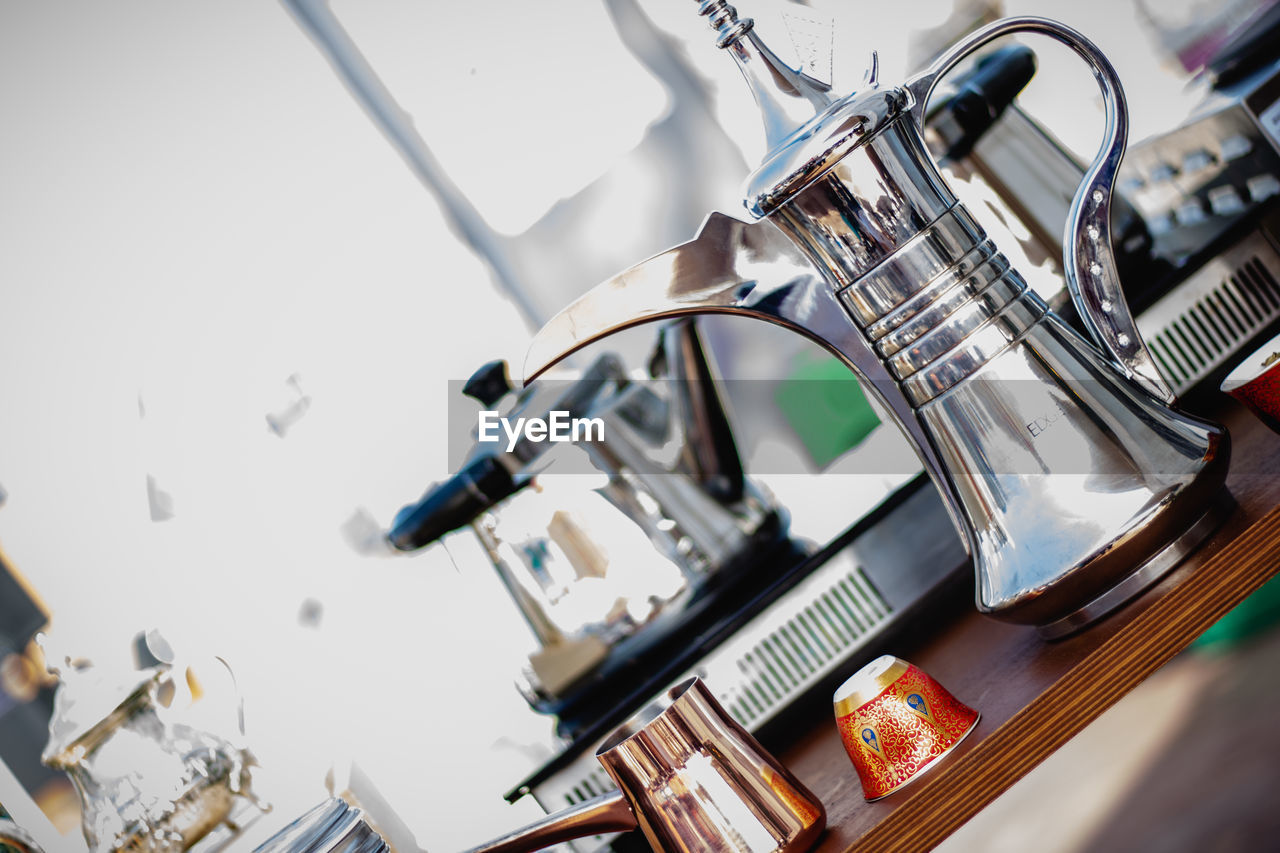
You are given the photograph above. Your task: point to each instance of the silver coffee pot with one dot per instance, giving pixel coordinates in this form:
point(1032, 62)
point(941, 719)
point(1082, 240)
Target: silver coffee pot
point(1067, 473)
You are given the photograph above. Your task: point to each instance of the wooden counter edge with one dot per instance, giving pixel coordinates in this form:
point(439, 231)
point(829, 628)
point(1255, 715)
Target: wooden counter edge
point(1118, 665)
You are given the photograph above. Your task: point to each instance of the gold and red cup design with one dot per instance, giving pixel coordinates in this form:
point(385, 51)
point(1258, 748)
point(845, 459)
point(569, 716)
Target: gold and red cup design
point(896, 721)
point(1255, 381)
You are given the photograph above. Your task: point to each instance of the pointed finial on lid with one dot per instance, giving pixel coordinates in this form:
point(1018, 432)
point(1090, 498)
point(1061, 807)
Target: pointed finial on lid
point(788, 98)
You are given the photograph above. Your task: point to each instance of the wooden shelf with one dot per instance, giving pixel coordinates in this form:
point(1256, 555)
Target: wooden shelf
point(1035, 695)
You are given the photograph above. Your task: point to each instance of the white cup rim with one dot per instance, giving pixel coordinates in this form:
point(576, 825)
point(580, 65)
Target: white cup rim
point(1254, 365)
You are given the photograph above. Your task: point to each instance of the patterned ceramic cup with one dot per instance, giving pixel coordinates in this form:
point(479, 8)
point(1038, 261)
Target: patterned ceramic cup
point(896, 722)
point(1256, 383)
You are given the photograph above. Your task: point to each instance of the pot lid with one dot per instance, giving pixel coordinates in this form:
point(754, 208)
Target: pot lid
point(813, 149)
point(807, 129)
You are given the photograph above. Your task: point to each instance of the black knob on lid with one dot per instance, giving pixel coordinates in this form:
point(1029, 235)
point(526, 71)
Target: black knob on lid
point(489, 384)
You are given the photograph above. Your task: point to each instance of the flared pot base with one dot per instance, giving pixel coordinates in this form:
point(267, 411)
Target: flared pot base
point(1146, 574)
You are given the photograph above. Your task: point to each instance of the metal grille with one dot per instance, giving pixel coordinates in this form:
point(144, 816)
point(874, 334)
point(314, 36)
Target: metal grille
point(1207, 319)
point(593, 784)
point(802, 649)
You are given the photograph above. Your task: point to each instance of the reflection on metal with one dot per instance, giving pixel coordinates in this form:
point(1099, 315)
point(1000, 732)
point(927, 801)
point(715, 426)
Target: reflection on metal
point(618, 553)
point(331, 827)
point(896, 278)
point(830, 622)
point(691, 779)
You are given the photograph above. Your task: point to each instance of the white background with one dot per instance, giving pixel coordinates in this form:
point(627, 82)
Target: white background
point(192, 210)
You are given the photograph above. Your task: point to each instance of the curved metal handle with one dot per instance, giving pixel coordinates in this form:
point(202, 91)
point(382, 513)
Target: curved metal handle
point(606, 813)
point(1089, 259)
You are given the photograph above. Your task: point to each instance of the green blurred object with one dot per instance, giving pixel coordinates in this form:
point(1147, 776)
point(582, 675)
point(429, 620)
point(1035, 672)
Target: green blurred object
point(1251, 616)
point(824, 404)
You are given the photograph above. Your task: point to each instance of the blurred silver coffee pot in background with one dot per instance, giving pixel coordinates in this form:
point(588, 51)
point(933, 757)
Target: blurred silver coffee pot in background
point(606, 539)
point(1069, 476)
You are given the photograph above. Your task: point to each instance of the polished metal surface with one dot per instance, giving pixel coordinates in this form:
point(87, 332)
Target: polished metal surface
point(911, 281)
point(1072, 477)
point(672, 477)
point(1065, 470)
point(691, 779)
point(1089, 260)
point(790, 97)
point(331, 827)
point(607, 813)
point(1219, 507)
point(829, 622)
point(865, 207)
point(975, 337)
point(988, 288)
point(748, 269)
point(605, 537)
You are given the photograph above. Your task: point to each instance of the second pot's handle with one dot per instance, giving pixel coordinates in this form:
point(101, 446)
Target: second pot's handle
point(1089, 259)
point(606, 813)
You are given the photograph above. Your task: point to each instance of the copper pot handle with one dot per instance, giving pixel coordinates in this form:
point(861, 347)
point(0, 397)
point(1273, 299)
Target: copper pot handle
point(606, 813)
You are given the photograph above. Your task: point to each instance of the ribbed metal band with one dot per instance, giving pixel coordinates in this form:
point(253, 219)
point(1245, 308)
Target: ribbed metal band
point(942, 306)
